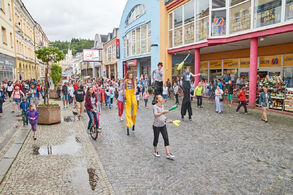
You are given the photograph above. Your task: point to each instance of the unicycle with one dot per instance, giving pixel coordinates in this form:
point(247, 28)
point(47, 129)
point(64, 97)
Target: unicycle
point(93, 130)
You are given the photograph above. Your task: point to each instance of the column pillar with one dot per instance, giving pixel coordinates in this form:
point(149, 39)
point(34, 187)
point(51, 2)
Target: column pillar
point(196, 65)
point(253, 71)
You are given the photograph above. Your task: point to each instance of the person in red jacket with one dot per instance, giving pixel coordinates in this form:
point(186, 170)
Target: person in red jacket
point(242, 100)
point(91, 101)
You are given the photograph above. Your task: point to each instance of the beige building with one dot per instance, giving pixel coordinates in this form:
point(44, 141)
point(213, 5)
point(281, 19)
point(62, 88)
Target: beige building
point(7, 55)
point(110, 54)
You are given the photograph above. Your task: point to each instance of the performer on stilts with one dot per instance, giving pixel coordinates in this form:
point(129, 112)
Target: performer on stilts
point(130, 87)
point(186, 102)
point(157, 76)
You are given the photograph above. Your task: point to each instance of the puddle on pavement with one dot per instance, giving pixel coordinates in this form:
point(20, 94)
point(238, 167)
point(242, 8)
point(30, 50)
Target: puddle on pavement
point(71, 146)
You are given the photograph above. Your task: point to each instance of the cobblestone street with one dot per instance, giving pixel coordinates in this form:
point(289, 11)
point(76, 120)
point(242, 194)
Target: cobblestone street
point(215, 154)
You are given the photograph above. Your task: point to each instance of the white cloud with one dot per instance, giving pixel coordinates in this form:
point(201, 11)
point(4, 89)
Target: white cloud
point(65, 19)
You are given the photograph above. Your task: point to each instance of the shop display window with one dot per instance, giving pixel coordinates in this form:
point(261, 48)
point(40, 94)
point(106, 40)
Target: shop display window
point(189, 33)
point(149, 37)
point(288, 76)
point(267, 12)
point(215, 74)
point(137, 41)
point(202, 17)
point(240, 16)
point(219, 23)
point(289, 9)
point(204, 74)
point(218, 3)
point(178, 37)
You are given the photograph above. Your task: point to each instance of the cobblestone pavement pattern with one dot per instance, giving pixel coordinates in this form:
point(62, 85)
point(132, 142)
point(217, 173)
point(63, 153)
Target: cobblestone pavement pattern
point(215, 154)
point(61, 161)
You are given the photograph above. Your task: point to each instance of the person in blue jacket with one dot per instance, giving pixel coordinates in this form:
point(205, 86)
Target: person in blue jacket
point(2, 100)
point(24, 105)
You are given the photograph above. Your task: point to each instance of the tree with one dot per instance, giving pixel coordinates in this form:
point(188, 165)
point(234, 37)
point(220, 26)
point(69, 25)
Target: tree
point(47, 55)
point(56, 74)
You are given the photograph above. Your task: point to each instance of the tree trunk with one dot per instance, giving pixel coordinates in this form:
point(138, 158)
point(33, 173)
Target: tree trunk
point(46, 99)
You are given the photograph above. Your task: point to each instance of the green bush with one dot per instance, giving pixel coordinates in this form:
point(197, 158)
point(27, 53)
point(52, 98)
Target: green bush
point(56, 74)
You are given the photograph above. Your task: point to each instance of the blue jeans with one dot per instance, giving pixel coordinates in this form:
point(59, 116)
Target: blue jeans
point(1, 103)
point(91, 116)
point(108, 101)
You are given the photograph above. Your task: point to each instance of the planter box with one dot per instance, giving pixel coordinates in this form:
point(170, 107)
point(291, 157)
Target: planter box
point(49, 115)
point(53, 94)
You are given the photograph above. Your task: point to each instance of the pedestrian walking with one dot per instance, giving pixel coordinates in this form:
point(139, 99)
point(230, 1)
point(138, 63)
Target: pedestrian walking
point(219, 99)
point(242, 100)
point(2, 100)
point(176, 92)
point(157, 76)
point(70, 93)
point(79, 95)
point(230, 93)
point(129, 87)
point(9, 89)
point(120, 103)
point(65, 95)
point(159, 126)
point(198, 93)
point(32, 115)
point(34, 95)
point(24, 106)
point(146, 96)
point(16, 97)
point(211, 91)
point(265, 100)
point(192, 88)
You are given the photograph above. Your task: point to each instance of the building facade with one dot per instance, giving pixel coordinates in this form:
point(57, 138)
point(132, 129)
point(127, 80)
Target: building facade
point(26, 66)
point(111, 54)
point(139, 36)
point(247, 38)
point(7, 47)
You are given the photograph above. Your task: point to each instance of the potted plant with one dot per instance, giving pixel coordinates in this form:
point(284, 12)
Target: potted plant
point(56, 75)
point(49, 113)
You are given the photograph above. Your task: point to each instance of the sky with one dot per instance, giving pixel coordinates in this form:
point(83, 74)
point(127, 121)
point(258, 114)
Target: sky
point(67, 19)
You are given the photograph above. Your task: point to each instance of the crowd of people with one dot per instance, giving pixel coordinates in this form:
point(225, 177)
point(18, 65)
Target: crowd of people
point(93, 94)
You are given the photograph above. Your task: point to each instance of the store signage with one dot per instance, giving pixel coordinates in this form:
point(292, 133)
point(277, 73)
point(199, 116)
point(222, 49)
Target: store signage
point(288, 60)
point(204, 65)
point(232, 63)
point(270, 61)
point(118, 48)
point(216, 64)
point(132, 63)
point(219, 21)
point(244, 63)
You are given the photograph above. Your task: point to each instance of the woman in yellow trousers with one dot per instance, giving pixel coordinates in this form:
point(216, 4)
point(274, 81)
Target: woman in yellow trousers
point(130, 95)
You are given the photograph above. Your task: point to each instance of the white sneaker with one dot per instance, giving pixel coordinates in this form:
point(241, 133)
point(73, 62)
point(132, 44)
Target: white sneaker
point(170, 156)
point(156, 154)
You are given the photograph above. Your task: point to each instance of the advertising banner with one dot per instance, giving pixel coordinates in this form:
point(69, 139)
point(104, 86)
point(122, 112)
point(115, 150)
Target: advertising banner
point(244, 62)
point(216, 64)
point(232, 63)
point(204, 65)
point(288, 60)
point(270, 61)
point(91, 55)
point(118, 48)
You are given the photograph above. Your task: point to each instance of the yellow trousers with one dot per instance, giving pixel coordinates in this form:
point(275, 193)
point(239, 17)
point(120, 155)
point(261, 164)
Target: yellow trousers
point(130, 98)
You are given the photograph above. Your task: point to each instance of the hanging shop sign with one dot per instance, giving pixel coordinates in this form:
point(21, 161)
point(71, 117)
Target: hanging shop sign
point(131, 63)
point(124, 69)
point(216, 64)
point(244, 63)
point(118, 48)
point(288, 60)
point(270, 61)
point(204, 65)
point(232, 63)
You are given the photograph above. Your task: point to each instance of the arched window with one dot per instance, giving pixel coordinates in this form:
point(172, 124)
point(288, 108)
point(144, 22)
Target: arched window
point(135, 13)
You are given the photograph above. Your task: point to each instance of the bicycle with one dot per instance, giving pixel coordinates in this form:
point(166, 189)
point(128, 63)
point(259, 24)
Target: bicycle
point(94, 132)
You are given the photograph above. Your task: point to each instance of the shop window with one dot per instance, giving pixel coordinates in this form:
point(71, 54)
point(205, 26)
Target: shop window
point(137, 41)
point(170, 39)
point(288, 76)
point(189, 22)
point(178, 37)
point(189, 33)
point(149, 37)
point(189, 12)
point(202, 17)
point(178, 17)
point(240, 16)
point(267, 12)
point(218, 3)
point(289, 9)
point(219, 23)
point(11, 40)
point(143, 39)
point(133, 43)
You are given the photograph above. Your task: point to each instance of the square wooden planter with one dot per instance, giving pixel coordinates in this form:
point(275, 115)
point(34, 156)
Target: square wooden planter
point(49, 115)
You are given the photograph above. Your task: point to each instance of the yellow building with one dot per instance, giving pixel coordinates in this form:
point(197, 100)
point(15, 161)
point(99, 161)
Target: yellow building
point(25, 26)
point(7, 56)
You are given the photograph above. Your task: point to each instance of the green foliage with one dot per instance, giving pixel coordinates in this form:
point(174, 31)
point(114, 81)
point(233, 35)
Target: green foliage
point(47, 54)
point(77, 45)
point(56, 74)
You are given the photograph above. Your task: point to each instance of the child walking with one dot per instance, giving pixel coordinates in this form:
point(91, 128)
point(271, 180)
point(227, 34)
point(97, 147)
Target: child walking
point(32, 115)
point(24, 105)
point(146, 96)
point(159, 126)
point(120, 103)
